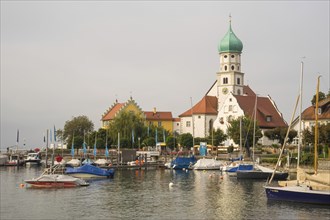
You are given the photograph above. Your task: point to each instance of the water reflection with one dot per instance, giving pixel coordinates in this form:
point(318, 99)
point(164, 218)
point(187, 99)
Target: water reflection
point(137, 194)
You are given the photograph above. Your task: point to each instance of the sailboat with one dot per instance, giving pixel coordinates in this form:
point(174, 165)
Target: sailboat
point(101, 161)
point(306, 188)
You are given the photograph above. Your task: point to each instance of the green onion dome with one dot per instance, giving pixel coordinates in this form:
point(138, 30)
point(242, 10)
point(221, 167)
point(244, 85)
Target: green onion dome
point(230, 43)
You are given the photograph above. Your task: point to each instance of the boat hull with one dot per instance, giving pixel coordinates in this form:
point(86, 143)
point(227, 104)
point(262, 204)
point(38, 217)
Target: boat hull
point(261, 175)
point(298, 194)
point(241, 167)
point(55, 181)
point(51, 184)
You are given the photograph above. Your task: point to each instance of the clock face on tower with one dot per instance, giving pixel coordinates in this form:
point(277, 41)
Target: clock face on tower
point(224, 90)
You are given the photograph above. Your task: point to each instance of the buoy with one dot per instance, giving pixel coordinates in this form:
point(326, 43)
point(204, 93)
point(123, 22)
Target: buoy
point(21, 185)
point(171, 184)
point(221, 177)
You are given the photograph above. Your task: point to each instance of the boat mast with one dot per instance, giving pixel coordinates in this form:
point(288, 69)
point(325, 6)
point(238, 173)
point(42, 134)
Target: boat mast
point(316, 125)
point(254, 126)
point(240, 136)
point(300, 109)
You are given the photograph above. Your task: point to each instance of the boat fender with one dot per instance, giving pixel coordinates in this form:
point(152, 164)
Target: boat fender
point(21, 185)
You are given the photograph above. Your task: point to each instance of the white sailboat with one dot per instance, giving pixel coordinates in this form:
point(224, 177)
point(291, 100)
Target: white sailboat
point(306, 188)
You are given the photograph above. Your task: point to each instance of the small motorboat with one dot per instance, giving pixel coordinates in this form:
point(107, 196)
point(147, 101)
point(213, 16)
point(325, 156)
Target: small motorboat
point(56, 181)
point(49, 179)
point(88, 171)
point(32, 159)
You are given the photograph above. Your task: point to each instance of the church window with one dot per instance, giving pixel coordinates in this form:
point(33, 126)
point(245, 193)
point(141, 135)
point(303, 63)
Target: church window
point(230, 99)
point(187, 124)
point(199, 116)
point(232, 56)
point(230, 108)
point(238, 92)
point(237, 67)
point(225, 80)
point(221, 120)
point(225, 68)
point(232, 67)
point(238, 81)
point(225, 56)
point(229, 118)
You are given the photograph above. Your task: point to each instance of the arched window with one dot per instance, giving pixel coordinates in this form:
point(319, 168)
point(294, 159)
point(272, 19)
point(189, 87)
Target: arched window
point(225, 68)
point(232, 67)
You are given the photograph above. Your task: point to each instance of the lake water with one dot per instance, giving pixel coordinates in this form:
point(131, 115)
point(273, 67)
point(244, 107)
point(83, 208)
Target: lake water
point(145, 194)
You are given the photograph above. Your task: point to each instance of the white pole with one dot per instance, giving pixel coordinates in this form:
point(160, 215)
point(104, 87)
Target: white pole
point(300, 109)
point(118, 154)
point(192, 119)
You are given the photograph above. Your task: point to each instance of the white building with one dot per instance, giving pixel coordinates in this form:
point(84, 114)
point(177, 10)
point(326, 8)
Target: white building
point(228, 98)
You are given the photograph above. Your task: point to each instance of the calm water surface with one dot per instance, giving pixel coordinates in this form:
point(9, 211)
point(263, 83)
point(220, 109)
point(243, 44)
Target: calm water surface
point(145, 194)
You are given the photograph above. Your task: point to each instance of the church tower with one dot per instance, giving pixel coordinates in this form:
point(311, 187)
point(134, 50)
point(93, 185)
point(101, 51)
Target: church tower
point(230, 79)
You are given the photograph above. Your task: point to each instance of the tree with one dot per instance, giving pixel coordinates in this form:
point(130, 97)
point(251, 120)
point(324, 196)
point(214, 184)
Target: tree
point(171, 142)
point(321, 97)
point(233, 132)
point(218, 137)
point(129, 124)
point(186, 140)
point(279, 134)
point(77, 126)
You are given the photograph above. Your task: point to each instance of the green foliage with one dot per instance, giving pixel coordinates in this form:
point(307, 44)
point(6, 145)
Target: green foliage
point(279, 134)
point(218, 137)
point(171, 142)
point(307, 159)
point(247, 132)
point(186, 140)
point(321, 97)
point(126, 123)
point(323, 131)
point(149, 141)
point(77, 126)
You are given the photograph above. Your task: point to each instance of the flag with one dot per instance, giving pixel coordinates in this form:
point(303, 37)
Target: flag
point(72, 147)
point(106, 151)
point(163, 135)
point(156, 136)
point(17, 138)
point(50, 135)
point(54, 134)
point(132, 136)
point(95, 146)
point(94, 150)
point(84, 148)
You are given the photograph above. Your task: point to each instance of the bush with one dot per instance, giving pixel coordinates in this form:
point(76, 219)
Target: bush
point(307, 159)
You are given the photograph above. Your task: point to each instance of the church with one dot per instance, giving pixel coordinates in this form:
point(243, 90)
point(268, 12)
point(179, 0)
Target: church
point(228, 98)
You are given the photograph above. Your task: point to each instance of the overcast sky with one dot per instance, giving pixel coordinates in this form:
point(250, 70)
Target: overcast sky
point(64, 59)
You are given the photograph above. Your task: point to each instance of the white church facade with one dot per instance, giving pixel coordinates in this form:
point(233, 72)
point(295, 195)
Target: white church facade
point(228, 98)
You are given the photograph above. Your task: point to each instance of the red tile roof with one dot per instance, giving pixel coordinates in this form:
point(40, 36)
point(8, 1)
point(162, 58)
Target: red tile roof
point(309, 113)
point(150, 116)
point(265, 108)
point(112, 112)
point(208, 105)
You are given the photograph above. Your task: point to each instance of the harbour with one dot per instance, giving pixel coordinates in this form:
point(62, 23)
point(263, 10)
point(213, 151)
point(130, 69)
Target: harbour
point(146, 194)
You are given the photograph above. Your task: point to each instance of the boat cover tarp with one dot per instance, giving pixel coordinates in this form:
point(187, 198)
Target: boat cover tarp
point(90, 169)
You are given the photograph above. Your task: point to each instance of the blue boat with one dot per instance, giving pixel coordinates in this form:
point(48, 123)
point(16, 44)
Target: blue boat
point(180, 163)
point(240, 167)
point(88, 171)
point(301, 193)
